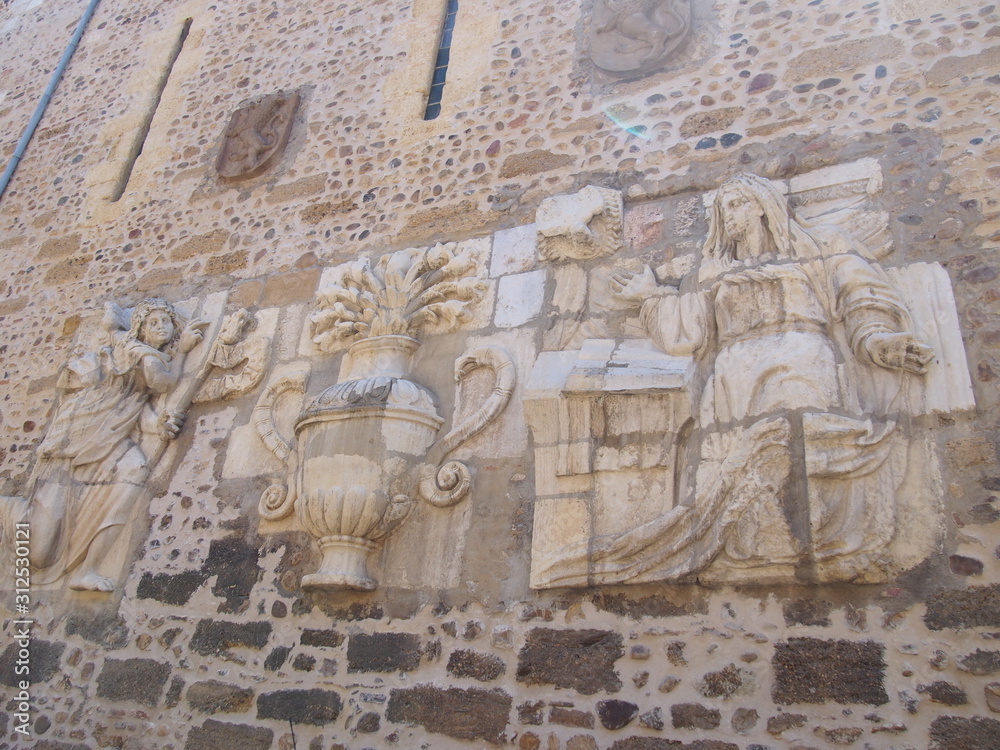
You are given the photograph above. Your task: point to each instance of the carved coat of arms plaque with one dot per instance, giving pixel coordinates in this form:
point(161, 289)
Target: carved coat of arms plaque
point(637, 36)
point(256, 136)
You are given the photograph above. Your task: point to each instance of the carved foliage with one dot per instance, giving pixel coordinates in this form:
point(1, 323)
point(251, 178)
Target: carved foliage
point(581, 226)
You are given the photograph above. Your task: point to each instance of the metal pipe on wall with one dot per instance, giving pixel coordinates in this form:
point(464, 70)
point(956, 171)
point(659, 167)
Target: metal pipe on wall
point(29, 131)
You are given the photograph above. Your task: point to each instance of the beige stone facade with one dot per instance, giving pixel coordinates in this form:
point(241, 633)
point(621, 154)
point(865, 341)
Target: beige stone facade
point(501, 579)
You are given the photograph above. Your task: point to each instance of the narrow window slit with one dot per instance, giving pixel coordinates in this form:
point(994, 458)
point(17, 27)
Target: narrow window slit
point(140, 136)
point(441, 63)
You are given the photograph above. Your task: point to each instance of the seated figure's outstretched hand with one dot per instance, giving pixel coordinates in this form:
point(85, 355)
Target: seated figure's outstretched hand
point(899, 351)
point(636, 288)
point(192, 334)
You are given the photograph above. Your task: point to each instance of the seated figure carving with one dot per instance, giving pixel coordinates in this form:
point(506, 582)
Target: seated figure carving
point(91, 468)
point(801, 464)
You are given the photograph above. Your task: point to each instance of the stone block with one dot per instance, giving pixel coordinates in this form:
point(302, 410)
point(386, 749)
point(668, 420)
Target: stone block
point(214, 696)
point(514, 251)
point(219, 735)
point(976, 606)
point(383, 652)
point(321, 638)
point(809, 670)
point(479, 666)
point(216, 637)
point(170, 588)
point(961, 733)
point(945, 693)
point(616, 714)
point(139, 680)
point(314, 707)
point(44, 658)
point(694, 716)
point(980, 662)
point(519, 298)
point(583, 660)
point(569, 717)
point(473, 714)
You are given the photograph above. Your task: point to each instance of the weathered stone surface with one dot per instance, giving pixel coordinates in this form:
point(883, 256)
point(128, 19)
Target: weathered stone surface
point(648, 606)
point(744, 719)
point(316, 707)
point(43, 658)
point(960, 733)
point(473, 714)
point(991, 692)
point(479, 666)
point(139, 680)
point(580, 659)
point(321, 638)
point(59, 247)
point(276, 659)
point(944, 692)
point(218, 636)
point(532, 162)
point(531, 713)
point(807, 612)
point(727, 682)
point(175, 589)
point(809, 670)
point(383, 652)
point(369, 723)
point(290, 288)
point(783, 722)
point(56, 745)
point(702, 123)
point(839, 735)
point(570, 717)
point(976, 606)
point(616, 714)
point(220, 735)
point(200, 245)
point(659, 743)
point(694, 716)
point(980, 662)
point(845, 56)
point(214, 696)
point(949, 68)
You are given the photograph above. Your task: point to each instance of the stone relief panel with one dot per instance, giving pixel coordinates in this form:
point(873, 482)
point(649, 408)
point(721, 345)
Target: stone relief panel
point(256, 136)
point(581, 226)
point(121, 405)
point(365, 447)
point(769, 429)
point(636, 36)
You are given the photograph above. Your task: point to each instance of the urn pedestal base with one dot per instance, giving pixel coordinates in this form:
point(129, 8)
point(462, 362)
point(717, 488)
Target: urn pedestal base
point(345, 565)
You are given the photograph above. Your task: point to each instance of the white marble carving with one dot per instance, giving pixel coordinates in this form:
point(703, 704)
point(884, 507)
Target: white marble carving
point(581, 226)
point(241, 362)
point(789, 448)
point(365, 447)
point(121, 406)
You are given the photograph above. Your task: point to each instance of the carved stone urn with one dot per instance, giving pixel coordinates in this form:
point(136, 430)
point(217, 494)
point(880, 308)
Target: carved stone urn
point(365, 447)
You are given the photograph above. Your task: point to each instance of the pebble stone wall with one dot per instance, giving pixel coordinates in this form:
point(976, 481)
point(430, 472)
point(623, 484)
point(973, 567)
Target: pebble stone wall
point(212, 644)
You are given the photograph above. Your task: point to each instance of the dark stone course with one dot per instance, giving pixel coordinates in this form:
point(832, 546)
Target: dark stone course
point(724, 683)
point(383, 652)
point(615, 714)
point(809, 670)
point(694, 716)
point(648, 606)
point(531, 713)
point(316, 707)
point(139, 680)
point(216, 637)
point(174, 589)
point(56, 745)
point(174, 692)
point(109, 631)
point(570, 717)
point(44, 658)
point(659, 743)
point(980, 663)
point(583, 660)
point(976, 606)
point(218, 735)
point(807, 612)
point(321, 638)
point(960, 733)
point(944, 692)
point(369, 723)
point(234, 564)
point(214, 696)
point(276, 659)
point(473, 714)
point(482, 667)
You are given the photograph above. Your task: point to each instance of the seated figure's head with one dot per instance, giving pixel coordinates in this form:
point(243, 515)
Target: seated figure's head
point(155, 323)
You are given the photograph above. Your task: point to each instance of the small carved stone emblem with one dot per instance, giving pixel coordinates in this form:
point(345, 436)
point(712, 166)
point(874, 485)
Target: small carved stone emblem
point(256, 136)
point(581, 226)
point(637, 36)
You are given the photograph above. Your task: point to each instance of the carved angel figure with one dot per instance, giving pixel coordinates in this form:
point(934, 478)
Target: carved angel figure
point(801, 463)
point(91, 468)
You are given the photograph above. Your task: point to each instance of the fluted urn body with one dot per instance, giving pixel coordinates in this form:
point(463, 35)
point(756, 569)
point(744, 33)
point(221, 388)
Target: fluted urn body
point(360, 445)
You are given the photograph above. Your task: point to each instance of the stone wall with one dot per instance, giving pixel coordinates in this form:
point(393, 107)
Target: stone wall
point(210, 639)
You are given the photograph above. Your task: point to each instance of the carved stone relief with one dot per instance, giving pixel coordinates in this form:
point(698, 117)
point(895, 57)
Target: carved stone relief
point(772, 434)
point(121, 405)
point(636, 36)
point(256, 136)
point(347, 500)
point(585, 225)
